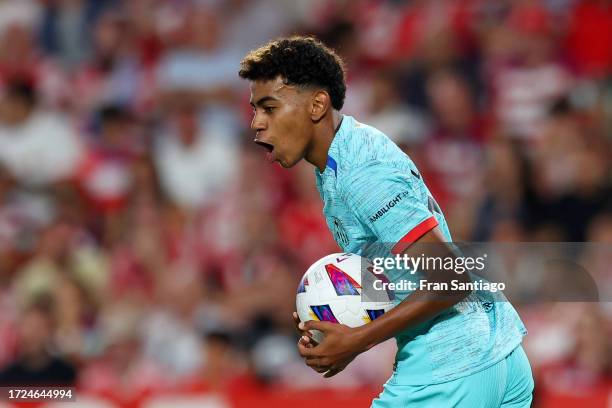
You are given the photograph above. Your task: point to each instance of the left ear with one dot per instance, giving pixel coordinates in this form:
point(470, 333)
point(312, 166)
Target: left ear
point(321, 103)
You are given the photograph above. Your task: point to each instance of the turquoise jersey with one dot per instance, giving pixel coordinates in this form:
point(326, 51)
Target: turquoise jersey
point(374, 197)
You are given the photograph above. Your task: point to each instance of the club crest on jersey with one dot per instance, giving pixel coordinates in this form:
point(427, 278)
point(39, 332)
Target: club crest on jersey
point(340, 234)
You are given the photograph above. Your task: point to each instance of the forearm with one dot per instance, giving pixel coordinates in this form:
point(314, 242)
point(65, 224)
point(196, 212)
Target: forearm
point(421, 305)
point(417, 308)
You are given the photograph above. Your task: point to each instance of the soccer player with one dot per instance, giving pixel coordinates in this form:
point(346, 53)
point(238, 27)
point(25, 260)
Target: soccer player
point(454, 349)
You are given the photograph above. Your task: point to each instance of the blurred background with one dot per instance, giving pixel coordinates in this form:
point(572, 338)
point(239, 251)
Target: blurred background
point(149, 254)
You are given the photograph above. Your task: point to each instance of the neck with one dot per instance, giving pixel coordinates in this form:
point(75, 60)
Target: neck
point(322, 140)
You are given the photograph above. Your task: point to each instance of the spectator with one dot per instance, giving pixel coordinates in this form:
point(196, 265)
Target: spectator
point(105, 175)
point(526, 81)
point(195, 155)
point(37, 147)
point(21, 56)
point(113, 74)
point(387, 112)
point(36, 363)
point(198, 62)
point(453, 151)
point(64, 29)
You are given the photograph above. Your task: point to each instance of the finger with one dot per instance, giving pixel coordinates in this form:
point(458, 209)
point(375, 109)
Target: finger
point(319, 369)
point(315, 365)
point(318, 362)
point(307, 341)
point(316, 325)
point(332, 372)
point(296, 320)
point(307, 352)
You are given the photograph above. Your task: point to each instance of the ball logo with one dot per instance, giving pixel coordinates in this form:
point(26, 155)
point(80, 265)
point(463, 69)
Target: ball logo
point(302, 287)
point(373, 314)
point(324, 313)
point(342, 282)
point(344, 257)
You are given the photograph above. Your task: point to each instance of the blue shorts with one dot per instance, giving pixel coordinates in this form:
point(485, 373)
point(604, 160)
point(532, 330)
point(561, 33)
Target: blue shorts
point(506, 384)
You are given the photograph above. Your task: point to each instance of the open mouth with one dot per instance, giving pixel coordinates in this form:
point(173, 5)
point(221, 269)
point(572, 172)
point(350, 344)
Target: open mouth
point(265, 145)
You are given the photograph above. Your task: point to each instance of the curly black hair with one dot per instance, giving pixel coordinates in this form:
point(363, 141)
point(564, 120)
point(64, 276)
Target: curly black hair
point(301, 61)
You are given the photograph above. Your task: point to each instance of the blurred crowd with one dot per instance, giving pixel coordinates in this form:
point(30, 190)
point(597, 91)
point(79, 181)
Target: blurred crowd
point(146, 244)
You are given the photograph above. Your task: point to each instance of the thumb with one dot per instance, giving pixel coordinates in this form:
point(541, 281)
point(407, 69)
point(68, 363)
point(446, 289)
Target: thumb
point(316, 325)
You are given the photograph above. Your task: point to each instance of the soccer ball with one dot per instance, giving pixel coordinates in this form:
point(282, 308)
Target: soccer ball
point(330, 290)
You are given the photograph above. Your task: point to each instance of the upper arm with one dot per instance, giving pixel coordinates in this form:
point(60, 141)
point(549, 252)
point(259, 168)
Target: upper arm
point(391, 203)
point(431, 243)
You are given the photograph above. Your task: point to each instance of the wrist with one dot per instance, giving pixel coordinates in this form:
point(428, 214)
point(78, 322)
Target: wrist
point(362, 338)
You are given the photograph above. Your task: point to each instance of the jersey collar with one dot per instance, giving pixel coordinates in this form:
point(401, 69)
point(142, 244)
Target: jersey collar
point(332, 164)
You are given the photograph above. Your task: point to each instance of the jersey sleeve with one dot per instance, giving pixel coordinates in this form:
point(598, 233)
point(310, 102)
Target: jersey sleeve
point(392, 203)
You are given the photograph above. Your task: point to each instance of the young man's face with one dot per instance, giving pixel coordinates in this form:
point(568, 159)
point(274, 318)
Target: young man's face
point(282, 120)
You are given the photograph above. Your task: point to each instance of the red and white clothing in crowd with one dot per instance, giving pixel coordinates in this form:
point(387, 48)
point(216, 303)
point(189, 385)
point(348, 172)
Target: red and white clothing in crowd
point(42, 150)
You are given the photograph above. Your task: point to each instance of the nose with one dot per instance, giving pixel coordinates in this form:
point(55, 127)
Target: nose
point(258, 123)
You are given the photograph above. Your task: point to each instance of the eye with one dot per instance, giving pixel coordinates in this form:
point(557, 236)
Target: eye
point(268, 109)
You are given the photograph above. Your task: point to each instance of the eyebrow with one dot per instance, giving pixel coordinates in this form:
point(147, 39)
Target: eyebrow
point(263, 100)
